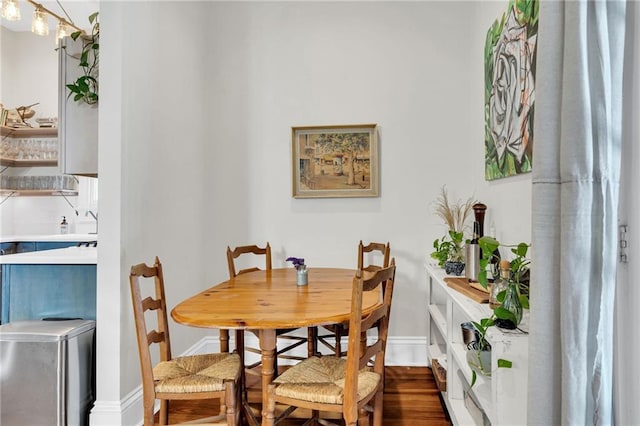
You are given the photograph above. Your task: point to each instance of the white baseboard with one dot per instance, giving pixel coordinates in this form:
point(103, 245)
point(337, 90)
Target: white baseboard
point(401, 351)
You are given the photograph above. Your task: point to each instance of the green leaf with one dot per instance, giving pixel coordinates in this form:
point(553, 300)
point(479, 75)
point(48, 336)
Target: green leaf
point(505, 314)
point(75, 35)
point(524, 301)
point(84, 59)
point(521, 250)
point(474, 377)
point(77, 97)
point(93, 17)
point(503, 363)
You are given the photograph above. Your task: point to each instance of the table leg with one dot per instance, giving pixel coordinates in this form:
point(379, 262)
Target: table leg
point(224, 340)
point(268, 349)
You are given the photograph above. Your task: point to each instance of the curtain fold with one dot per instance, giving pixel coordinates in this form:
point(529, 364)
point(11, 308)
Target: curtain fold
point(577, 154)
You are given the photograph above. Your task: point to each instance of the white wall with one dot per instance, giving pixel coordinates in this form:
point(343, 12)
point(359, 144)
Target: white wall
point(197, 125)
point(29, 65)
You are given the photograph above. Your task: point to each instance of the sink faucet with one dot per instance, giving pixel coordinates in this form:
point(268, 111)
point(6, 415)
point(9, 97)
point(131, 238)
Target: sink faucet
point(95, 216)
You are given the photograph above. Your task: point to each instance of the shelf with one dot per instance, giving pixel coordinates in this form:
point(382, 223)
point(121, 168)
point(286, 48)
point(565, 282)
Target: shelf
point(29, 132)
point(439, 318)
point(436, 351)
point(27, 163)
point(458, 412)
point(36, 192)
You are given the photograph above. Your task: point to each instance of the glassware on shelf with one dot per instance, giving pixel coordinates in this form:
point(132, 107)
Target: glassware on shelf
point(500, 284)
point(511, 303)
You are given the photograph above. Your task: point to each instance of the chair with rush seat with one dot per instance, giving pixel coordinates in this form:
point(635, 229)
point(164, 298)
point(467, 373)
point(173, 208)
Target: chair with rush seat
point(381, 252)
point(343, 385)
point(281, 334)
point(207, 376)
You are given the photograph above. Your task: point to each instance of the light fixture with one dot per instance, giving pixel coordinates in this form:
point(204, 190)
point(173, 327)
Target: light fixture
point(10, 10)
point(63, 30)
point(39, 25)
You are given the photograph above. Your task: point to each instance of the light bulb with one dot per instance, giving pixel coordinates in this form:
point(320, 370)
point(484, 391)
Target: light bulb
point(10, 10)
point(39, 25)
point(62, 30)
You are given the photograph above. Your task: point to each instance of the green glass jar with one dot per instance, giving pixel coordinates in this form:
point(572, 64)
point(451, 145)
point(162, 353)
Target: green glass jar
point(511, 303)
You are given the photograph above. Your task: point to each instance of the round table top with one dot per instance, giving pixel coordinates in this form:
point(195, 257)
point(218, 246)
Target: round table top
point(272, 299)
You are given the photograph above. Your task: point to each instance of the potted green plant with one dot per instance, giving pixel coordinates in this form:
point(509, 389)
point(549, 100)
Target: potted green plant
point(448, 250)
point(479, 351)
point(515, 297)
point(503, 315)
point(449, 253)
point(85, 87)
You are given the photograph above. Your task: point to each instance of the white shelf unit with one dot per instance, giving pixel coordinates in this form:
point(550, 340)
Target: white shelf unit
point(497, 400)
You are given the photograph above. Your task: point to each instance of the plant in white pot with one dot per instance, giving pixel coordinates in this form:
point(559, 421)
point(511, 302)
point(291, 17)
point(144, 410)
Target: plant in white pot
point(479, 351)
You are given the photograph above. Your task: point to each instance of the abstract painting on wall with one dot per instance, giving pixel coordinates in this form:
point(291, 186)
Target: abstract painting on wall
point(509, 64)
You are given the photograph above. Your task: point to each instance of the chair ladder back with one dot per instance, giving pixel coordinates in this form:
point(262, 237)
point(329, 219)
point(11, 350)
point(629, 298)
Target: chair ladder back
point(382, 248)
point(358, 357)
point(140, 306)
point(254, 249)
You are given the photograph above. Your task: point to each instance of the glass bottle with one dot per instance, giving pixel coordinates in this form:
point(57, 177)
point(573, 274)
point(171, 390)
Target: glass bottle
point(500, 284)
point(511, 303)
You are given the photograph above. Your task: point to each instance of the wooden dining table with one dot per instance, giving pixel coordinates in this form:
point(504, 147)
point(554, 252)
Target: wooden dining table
point(267, 300)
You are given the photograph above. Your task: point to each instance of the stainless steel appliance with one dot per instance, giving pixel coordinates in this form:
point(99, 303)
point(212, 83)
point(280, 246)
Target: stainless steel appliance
point(46, 372)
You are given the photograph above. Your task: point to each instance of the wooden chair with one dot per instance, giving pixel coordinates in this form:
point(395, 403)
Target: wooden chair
point(282, 353)
point(333, 341)
point(343, 385)
point(204, 376)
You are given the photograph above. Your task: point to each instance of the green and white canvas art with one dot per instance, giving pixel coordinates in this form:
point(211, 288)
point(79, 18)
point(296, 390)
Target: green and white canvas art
point(510, 63)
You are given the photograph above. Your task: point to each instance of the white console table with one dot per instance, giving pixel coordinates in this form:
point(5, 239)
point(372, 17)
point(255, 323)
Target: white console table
point(500, 399)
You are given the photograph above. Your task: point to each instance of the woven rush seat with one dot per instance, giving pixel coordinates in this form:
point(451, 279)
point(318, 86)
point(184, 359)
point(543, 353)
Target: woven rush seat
point(322, 379)
point(196, 373)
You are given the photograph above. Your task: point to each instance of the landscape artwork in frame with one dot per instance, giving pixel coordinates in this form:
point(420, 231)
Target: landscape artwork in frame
point(510, 64)
point(335, 161)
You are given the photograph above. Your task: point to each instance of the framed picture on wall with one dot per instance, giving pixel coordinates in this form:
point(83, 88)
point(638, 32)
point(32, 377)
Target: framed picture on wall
point(510, 68)
point(335, 161)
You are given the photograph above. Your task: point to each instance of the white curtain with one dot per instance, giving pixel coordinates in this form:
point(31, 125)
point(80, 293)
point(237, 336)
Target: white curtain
point(627, 336)
point(576, 163)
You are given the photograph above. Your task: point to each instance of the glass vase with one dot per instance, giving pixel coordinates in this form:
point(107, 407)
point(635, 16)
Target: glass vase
point(512, 304)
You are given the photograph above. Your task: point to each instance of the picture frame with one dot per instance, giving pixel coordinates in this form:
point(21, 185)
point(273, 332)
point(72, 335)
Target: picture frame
point(509, 95)
point(335, 161)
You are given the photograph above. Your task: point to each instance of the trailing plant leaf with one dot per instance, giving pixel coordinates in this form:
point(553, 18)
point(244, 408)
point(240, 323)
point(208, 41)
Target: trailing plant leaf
point(503, 363)
point(85, 88)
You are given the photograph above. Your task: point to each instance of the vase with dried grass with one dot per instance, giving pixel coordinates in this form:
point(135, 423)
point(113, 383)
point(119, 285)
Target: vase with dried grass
point(448, 250)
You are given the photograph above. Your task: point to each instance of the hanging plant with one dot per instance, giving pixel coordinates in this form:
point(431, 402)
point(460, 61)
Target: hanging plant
point(85, 88)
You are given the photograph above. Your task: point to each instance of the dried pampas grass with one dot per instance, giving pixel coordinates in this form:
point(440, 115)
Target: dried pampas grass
point(454, 214)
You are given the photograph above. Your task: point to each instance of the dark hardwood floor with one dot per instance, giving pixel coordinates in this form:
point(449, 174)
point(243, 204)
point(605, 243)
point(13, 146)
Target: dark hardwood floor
point(411, 398)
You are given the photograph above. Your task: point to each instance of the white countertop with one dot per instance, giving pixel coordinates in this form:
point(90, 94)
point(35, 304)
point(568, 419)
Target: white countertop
point(48, 237)
point(64, 256)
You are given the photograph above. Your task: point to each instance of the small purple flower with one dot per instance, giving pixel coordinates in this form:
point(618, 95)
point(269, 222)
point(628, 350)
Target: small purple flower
point(298, 262)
